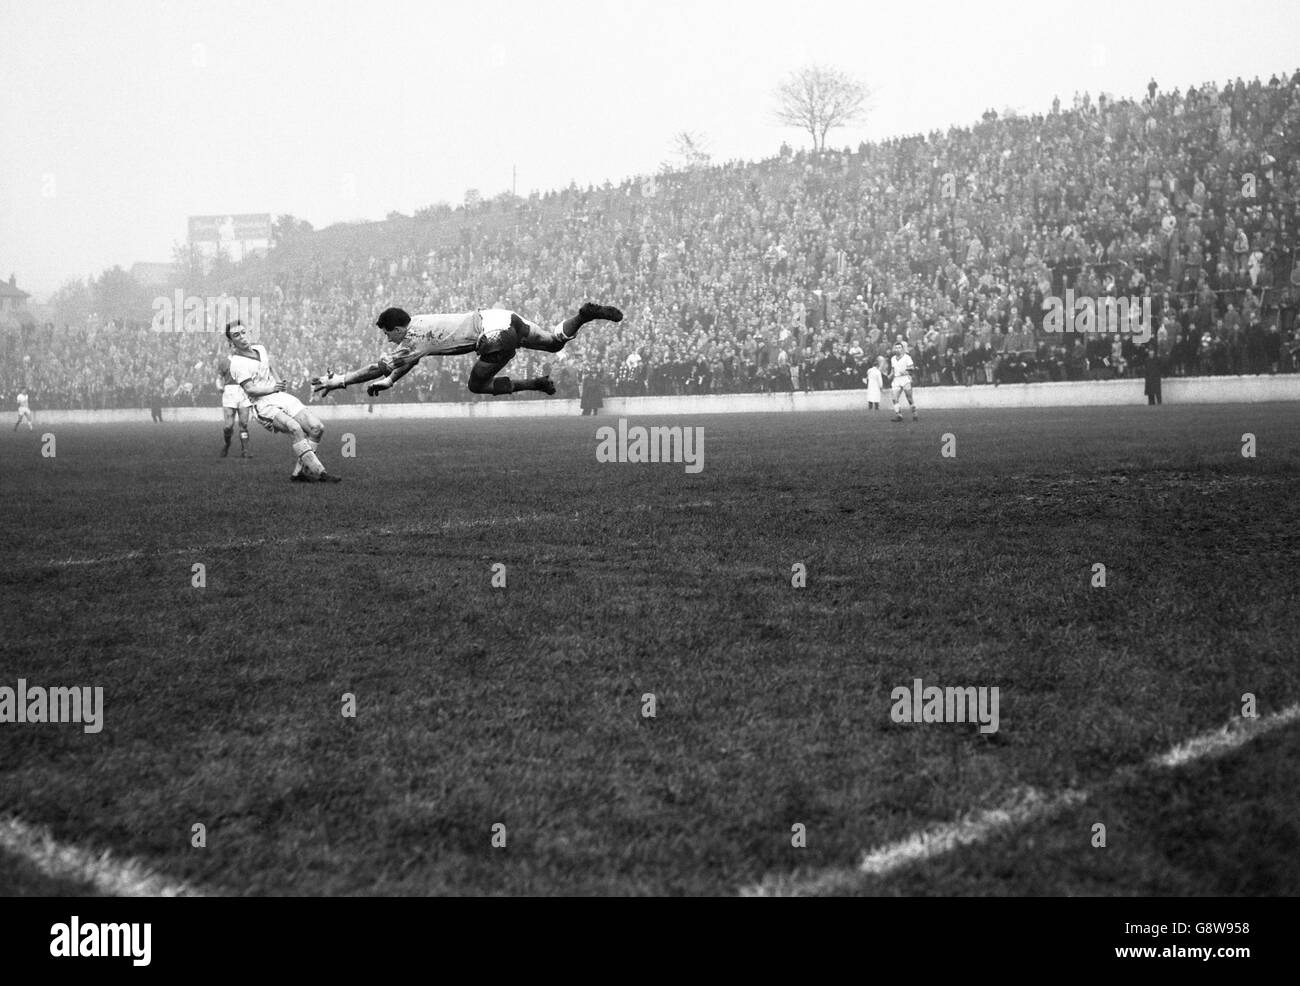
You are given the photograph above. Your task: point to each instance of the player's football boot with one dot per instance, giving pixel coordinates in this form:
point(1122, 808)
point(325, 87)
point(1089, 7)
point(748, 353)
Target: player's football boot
point(896, 417)
point(328, 477)
point(225, 451)
point(915, 416)
point(300, 477)
point(591, 311)
point(245, 455)
point(545, 385)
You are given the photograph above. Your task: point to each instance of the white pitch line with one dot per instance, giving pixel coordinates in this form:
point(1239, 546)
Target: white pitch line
point(449, 525)
point(1025, 806)
point(125, 878)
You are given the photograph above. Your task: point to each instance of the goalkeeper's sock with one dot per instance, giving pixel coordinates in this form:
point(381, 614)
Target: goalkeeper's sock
point(307, 457)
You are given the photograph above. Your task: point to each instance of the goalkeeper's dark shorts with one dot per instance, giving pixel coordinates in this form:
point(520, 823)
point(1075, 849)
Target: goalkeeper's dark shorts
point(505, 333)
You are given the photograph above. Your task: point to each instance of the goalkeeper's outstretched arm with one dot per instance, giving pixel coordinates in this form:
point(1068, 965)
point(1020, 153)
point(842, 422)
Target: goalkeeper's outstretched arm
point(383, 375)
point(386, 381)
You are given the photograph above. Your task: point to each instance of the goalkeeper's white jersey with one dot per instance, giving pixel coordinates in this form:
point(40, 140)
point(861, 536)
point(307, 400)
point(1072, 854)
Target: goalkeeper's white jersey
point(440, 335)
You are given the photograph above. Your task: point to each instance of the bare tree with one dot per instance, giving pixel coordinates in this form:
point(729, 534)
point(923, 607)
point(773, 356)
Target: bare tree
point(690, 153)
point(818, 99)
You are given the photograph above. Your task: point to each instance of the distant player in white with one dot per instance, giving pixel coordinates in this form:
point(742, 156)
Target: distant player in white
point(494, 333)
point(900, 372)
point(874, 382)
point(24, 412)
point(234, 403)
point(250, 367)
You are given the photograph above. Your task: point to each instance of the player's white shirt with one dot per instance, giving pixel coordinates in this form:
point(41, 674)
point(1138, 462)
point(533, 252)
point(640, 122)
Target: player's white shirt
point(446, 334)
point(22, 404)
point(255, 368)
point(901, 367)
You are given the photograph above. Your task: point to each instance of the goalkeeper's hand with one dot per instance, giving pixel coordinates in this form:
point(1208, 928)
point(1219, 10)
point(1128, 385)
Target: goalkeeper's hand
point(323, 386)
point(378, 386)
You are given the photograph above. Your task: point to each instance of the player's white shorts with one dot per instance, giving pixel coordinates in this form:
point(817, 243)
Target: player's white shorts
point(901, 384)
point(266, 408)
point(234, 396)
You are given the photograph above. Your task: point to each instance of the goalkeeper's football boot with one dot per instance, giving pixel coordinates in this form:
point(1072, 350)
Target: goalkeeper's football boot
point(328, 477)
point(592, 311)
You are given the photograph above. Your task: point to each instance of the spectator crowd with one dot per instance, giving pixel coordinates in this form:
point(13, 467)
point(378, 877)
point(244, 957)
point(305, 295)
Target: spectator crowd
point(799, 271)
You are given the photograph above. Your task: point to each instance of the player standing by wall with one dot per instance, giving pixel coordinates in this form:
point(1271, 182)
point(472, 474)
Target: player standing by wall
point(24, 411)
point(250, 367)
point(901, 367)
point(234, 402)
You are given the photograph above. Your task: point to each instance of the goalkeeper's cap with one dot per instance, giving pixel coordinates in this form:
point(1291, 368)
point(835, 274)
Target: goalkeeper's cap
point(393, 318)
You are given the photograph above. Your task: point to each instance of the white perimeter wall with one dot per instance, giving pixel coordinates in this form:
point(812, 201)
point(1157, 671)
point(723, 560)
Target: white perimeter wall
point(1099, 393)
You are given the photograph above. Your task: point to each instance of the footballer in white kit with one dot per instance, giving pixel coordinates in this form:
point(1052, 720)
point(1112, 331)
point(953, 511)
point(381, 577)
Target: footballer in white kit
point(276, 410)
point(24, 411)
point(234, 404)
point(900, 369)
point(496, 334)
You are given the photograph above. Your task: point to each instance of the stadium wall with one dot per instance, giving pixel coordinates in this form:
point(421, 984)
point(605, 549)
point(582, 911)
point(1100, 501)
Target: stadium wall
point(1092, 393)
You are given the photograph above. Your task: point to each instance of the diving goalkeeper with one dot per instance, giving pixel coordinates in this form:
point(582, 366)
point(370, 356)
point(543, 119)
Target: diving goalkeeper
point(495, 334)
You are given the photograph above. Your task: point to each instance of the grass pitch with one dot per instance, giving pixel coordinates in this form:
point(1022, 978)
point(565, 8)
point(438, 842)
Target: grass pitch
point(523, 706)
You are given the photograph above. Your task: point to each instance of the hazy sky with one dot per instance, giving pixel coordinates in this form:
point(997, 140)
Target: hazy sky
point(120, 119)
